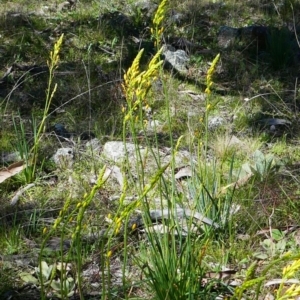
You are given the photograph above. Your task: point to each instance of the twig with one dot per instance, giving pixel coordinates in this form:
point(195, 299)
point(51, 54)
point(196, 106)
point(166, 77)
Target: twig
point(15, 199)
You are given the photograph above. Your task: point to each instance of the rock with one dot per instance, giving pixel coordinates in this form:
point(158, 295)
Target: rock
point(116, 151)
point(10, 157)
point(177, 59)
point(256, 35)
point(215, 123)
point(147, 7)
point(176, 17)
point(61, 131)
point(64, 157)
point(227, 36)
point(94, 145)
point(87, 136)
point(275, 126)
point(153, 126)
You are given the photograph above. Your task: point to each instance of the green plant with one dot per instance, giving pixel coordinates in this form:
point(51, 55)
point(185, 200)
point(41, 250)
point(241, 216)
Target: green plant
point(252, 279)
point(172, 266)
point(56, 276)
point(206, 190)
point(13, 240)
point(66, 215)
point(274, 246)
point(27, 152)
point(262, 166)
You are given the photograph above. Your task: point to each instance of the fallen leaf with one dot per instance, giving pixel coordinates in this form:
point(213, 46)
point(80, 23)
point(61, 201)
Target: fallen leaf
point(11, 170)
point(184, 173)
point(280, 281)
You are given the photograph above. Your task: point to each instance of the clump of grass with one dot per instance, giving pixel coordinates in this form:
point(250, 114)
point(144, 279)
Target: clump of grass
point(172, 264)
point(30, 154)
point(60, 225)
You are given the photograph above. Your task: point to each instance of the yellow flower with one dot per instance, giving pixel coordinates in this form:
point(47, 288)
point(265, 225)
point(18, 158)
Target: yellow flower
point(207, 91)
point(160, 13)
point(127, 117)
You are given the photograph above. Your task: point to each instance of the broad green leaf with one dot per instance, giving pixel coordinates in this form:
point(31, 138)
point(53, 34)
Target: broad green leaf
point(277, 234)
point(261, 255)
point(28, 278)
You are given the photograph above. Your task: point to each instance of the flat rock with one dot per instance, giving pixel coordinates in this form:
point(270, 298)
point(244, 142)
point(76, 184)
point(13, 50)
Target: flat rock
point(177, 59)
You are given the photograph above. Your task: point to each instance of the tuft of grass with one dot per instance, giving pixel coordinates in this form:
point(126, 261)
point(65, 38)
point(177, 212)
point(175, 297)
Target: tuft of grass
point(30, 154)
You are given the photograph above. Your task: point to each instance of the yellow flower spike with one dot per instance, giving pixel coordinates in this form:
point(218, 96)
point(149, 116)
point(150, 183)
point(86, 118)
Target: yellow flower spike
point(133, 227)
point(290, 270)
point(155, 59)
point(109, 254)
point(160, 13)
point(78, 205)
point(210, 73)
point(178, 143)
point(215, 61)
point(45, 230)
point(56, 223)
point(109, 216)
point(161, 31)
point(208, 106)
point(134, 69)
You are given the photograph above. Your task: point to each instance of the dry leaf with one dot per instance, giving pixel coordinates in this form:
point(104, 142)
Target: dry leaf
point(11, 170)
point(184, 173)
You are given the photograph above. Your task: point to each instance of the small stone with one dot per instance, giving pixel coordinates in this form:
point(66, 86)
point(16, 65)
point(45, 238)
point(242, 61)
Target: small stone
point(63, 157)
point(215, 123)
point(93, 145)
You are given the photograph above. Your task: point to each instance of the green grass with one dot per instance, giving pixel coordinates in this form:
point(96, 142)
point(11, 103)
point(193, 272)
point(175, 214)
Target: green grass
point(104, 230)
